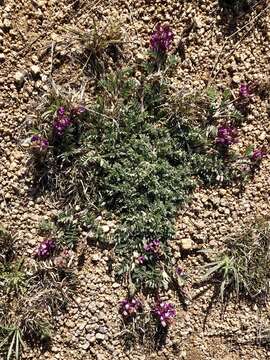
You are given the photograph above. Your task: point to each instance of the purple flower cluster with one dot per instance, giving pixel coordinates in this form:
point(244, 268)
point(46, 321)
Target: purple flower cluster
point(245, 91)
point(226, 135)
point(129, 307)
point(258, 154)
point(161, 39)
point(62, 121)
point(45, 248)
point(39, 143)
point(152, 247)
point(165, 312)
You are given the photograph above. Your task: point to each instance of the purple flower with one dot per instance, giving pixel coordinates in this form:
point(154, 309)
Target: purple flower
point(129, 307)
point(244, 91)
point(61, 111)
point(61, 124)
point(45, 248)
point(141, 259)
point(226, 135)
point(258, 154)
point(39, 143)
point(152, 246)
point(165, 312)
point(62, 121)
point(161, 39)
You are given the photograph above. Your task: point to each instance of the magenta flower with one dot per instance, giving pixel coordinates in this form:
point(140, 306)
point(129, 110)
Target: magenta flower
point(165, 312)
point(226, 135)
point(161, 39)
point(141, 259)
point(130, 307)
point(245, 91)
point(45, 248)
point(258, 154)
point(61, 111)
point(62, 121)
point(152, 246)
point(39, 143)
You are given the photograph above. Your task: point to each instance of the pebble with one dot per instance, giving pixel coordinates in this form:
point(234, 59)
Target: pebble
point(105, 228)
point(90, 338)
point(186, 244)
point(85, 346)
point(7, 24)
point(35, 70)
point(100, 336)
point(19, 78)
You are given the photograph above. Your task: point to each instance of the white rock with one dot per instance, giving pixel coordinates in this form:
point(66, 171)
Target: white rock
point(186, 244)
point(105, 228)
point(19, 77)
point(100, 336)
point(35, 70)
point(6, 24)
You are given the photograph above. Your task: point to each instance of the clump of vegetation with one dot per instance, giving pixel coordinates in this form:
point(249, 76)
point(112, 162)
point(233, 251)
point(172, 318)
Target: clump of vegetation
point(32, 292)
point(243, 268)
point(98, 47)
point(131, 157)
point(7, 245)
point(136, 161)
point(237, 5)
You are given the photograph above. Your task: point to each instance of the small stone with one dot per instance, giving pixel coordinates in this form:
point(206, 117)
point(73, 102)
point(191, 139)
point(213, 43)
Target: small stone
point(198, 22)
point(236, 79)
point(100, 336)
point(90, 338)
point(96, 258)
point(186, 244)
point(85, 346)
point(103, 329)
point(70, 324)
point(7, 24)
point(35, 70)
point(2, 57)
point(262, 136)
point(105, 228)
point(200, 224)
point(19, 78)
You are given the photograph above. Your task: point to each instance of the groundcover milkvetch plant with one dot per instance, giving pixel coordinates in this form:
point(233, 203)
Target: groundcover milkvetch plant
point(132, 156)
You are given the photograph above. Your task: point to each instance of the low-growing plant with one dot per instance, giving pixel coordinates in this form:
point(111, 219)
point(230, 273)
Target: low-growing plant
point(243, 267)
point(136, 158)
point(97, 46)
point(237, 5)
point(11, 342)
point(36, 329)
point(32, 291)
point(7, 245)
point(12, 278)
point(226, 273)
point(131, 158)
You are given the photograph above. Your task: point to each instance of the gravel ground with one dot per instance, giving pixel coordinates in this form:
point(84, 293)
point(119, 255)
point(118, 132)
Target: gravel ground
point(212, 51)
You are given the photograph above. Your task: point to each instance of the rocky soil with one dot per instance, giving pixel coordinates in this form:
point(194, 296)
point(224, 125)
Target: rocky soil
point(215, 49)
